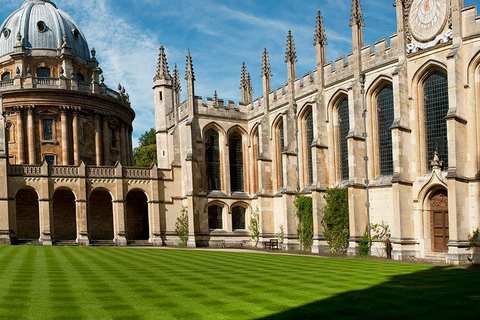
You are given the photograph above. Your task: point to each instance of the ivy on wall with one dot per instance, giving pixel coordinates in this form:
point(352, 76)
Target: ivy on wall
point(304, 207)
point(335, 220)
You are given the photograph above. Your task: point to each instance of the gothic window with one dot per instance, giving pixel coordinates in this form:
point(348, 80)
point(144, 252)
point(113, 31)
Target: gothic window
point(384, 122)
point(435, 90)
point(215, 217)
point(308, 146)
point(212, 159)
point(238, 218)
point(280, 143)
point(47, 129)
point(236, 162)
point(255, 146)
point(6, 76)
point(343, 128)
point(43, 72)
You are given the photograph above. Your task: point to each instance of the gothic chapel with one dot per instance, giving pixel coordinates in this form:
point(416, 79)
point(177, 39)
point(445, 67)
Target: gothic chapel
point(398, 124)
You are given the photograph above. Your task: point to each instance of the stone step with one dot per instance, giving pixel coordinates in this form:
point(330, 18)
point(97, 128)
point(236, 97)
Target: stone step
point(102, 243)
point(65, 243)
point(139, 243)
point(436, 256)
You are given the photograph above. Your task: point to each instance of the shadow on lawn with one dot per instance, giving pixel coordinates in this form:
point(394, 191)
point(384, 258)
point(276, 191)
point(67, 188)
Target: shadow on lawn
point(437, 293)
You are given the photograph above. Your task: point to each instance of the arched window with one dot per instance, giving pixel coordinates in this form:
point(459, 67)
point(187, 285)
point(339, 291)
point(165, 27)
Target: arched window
point(435, 94)
point(212, 159)
point(280, 143)
point(80, 77)
point(215, 217)
point(308, 145)
point(43, 72)
point(255, 146)
point(385, 119)
point(343, 128)
point(236, 162)
point(238, 218)
point(6, 76)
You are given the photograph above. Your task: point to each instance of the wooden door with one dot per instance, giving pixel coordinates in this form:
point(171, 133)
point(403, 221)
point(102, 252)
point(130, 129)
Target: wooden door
point(439, 221)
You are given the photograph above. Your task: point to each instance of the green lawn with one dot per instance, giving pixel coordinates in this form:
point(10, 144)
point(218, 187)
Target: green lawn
point(66, 282)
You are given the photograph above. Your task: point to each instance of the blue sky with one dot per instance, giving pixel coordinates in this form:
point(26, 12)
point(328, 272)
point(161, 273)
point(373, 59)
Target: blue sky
point(220, 35)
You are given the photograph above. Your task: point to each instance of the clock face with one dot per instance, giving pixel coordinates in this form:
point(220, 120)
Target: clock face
point(427, 18)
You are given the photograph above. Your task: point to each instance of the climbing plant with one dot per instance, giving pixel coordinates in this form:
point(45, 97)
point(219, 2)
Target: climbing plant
point(181, 227)
point(304, 207)
point(255, 226)
point(335, 220)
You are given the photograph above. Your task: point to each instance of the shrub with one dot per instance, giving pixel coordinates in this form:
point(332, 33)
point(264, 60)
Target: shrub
point(335, 220)
point(181, 227)
point(255, 226)
point(281, 234)
point(474, 238)
point(365, 245)
point(304, 207)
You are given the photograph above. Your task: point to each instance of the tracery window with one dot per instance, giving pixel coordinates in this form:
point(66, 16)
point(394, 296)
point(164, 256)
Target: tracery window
point(435, 91)
point(238, 218)
point(385, 117)
point(308, 147)
point(343, 128)
point(236, 162)
point(280, 143)
point(212, 159)
point(215, 220)
point(255, 146)
point(47, 129)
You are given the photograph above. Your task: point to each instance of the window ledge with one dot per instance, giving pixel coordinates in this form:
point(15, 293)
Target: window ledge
point(49, 142)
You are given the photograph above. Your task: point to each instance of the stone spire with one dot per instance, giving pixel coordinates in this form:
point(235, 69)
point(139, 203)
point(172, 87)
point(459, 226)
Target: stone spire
point(189, 73)
point(246, 85)
point(162, 67)
point(176, 79)
point(320, 34)
point(357, 14)
point(290, 53)
point(266, 71)
point(243, 76)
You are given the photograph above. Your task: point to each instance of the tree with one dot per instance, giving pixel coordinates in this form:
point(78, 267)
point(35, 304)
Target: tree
point(182, 227)
point(146, 153)
point(304, 207)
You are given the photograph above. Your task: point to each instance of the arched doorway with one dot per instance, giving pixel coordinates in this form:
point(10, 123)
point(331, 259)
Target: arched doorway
point(439, 220)
point(27, 215)
point(64, 216)
point(137, 216)
point(100, 216)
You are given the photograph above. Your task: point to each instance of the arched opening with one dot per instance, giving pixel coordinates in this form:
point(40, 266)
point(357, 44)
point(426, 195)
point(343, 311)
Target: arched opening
point(238, 218)
point(215, 217)
point(439, 220)
point(385, 118)
point(212, 159)
point(64, 216)
point(137, 216)
point(307, 137)
point(279, 146)
point(343, 129)
point(80, 77)
point(6, 76)
point(236, 162)
point(43, 72)
point(256, 151)
point(435, 108)
point(100, 216)
point(27, 215)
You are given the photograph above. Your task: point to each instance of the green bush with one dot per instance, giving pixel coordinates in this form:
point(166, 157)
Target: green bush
point(365, 245)
point(255, 226)
point(473, 239)
point(304, 207)
point(181, 227)
point(335, 220)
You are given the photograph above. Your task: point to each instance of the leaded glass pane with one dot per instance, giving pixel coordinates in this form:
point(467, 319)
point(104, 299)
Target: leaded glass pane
point(343, 128)
point(47, 129)
point(43, 72)
point(236, 163)
point(281, 143)
point(435, 91)
point(212, 159)
point(385, 119)
point(238, 218)
point(215, 217)
point(309, 137)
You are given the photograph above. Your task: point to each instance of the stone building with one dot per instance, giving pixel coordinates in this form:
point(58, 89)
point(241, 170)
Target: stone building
point(391, 123)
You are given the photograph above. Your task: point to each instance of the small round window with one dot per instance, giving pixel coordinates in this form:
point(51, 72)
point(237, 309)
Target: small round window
point(42, 27)
point(6, 33)
point(76, 33)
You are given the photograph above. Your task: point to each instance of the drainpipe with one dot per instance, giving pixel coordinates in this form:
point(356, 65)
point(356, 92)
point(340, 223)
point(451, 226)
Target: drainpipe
point(367, 181)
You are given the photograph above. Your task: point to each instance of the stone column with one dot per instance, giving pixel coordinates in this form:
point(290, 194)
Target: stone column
point(106, 141)
point(130, 144)
point(119, 225)
point(31, 135)
point(65, 144)
point(20, 136)
point(76, 151)
point(98, 150)
point(123, 145)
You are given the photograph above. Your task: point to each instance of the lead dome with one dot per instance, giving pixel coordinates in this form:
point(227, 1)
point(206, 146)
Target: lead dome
point(42, 27)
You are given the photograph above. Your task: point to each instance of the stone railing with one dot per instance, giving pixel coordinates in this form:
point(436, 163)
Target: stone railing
point(47, 82)
point(63, 171)
point(25, 170)
point(84, 86)
point(101, 172)
point(113, 94)
point(6, 84)
point(138, 173)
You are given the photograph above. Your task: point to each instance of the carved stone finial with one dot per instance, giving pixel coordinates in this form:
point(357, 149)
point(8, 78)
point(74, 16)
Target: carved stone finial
point(266, 71)
point(29, 71)
point(123, 90)
point(93, 52)
point(436, 163)
point(119, 87)
point(176, 79)
point(19, 37)
point(243, 76)
point(189, 72)
point(17, 71)
point(102, 79)
point(357, 14)
point(62, 71)
point(249, 83)
point(162, 67)
point(290, 53)
point(320, 34)
point(65, 40)
point(215, 99)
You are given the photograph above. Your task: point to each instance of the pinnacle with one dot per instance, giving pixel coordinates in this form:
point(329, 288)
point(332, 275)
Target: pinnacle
point(266, 71)
point(290, 53)
point(357, 14)
point(162, 67)
point(189, 72)
point(320, 34)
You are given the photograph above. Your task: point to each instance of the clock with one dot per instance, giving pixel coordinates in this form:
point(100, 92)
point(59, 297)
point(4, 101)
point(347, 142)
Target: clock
point(427, 18)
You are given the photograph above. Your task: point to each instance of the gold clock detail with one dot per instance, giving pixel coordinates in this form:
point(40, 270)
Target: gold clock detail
point(427, 18)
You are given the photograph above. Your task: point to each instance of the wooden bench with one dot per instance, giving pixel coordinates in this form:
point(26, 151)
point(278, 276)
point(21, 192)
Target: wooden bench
point(272, 244)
